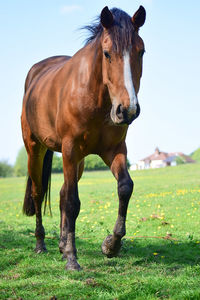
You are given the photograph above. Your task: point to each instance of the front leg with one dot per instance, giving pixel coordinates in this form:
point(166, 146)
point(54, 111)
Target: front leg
point(117, 162)
point(69, 209)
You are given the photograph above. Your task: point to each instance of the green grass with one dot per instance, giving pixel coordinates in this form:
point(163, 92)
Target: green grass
point(160, 257)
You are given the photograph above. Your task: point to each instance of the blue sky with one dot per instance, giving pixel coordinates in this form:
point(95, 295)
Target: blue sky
point(169, 93)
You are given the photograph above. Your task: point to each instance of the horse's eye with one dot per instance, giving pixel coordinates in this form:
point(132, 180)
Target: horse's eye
point(141, 53)
point(107, 55)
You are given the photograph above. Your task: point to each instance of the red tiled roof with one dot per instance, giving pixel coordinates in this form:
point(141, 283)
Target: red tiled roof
point(157, 155)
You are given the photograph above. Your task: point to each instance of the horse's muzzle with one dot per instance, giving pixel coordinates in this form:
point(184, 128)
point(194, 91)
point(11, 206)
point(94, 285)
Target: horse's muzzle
point(122, 115)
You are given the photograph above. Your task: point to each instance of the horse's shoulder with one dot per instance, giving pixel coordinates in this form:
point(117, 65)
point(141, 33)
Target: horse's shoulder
point(43, 66)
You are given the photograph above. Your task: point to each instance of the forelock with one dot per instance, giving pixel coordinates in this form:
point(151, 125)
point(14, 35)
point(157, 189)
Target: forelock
point(121, 32)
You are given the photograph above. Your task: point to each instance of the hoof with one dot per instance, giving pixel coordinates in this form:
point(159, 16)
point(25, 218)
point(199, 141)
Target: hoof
point(73, 266)
point(40, 247)
point(107, 248)
point(40, 250)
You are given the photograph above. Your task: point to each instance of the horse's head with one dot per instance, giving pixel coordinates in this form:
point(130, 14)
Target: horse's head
point(123, 50)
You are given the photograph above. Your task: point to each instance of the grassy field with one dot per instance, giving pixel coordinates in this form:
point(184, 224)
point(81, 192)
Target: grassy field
point(160, 257)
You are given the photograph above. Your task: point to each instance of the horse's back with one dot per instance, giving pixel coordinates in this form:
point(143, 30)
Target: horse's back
point(43, 66)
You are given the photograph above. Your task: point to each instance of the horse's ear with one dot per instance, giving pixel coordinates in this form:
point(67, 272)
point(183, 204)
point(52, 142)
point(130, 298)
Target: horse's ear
point(106, 17)
point(139, 18)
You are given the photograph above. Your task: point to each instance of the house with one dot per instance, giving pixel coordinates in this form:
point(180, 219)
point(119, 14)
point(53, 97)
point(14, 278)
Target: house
point(161, 159)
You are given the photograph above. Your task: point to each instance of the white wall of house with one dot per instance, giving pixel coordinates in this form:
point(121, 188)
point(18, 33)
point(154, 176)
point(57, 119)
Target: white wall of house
point(158, 164)
point(143, 165)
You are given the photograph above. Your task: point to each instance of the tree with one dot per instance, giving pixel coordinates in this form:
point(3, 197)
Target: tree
point(94, 162)
point(196, 155)
point(20, 167)
point(128, 163)
point(6, 170)
point(57, 165)
point(180, 160)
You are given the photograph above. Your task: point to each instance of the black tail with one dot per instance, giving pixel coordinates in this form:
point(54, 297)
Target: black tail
point(46, 179)
point(28, 207)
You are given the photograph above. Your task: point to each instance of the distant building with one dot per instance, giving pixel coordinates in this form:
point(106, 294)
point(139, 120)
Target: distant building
point(161, 159)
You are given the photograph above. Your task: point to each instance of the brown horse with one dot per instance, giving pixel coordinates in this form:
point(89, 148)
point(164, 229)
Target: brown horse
point(81, 105)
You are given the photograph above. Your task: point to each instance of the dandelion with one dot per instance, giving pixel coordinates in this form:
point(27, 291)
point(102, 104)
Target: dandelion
point(162, 256)
point(155, 253)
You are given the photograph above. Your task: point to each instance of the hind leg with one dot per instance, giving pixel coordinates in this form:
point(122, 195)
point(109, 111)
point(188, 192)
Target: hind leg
point(36, 154)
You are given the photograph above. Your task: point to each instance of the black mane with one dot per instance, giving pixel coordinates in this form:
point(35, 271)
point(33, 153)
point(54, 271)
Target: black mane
point(121, 32)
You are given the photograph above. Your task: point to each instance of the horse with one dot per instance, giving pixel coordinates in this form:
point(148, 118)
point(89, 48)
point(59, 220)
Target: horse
point(83, 105)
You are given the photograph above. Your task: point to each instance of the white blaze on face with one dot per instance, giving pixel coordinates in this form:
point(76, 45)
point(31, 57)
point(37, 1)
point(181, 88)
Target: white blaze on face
point(128, 82)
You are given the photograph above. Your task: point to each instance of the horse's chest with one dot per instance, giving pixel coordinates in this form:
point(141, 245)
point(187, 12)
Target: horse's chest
point(99, 140)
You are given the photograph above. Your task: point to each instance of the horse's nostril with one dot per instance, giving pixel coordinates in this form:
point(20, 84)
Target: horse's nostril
point(119, 112)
